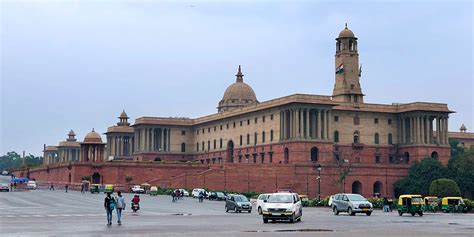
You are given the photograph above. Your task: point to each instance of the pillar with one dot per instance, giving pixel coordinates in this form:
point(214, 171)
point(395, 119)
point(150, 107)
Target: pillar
point(328, 124)
point(169, 139)
point(307, 124)
point(319, 124)
point(403, 137)
point(298, 123)
point(162, 140)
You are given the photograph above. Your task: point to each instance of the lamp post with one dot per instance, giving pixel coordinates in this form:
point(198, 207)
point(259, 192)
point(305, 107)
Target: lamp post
point(319, 181)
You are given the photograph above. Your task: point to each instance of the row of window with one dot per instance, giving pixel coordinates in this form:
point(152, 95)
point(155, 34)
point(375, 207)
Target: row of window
point(233, 124)
point(357, 120)
point(356, 138)
point(241, 141)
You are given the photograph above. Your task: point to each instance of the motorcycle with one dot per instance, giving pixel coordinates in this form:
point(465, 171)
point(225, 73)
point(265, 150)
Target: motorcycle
point(135, 207)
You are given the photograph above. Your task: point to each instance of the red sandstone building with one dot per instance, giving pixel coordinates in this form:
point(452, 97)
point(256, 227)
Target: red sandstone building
point(263, 146)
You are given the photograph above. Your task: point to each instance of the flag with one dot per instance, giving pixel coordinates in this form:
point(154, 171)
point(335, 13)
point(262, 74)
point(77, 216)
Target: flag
point(340, 69)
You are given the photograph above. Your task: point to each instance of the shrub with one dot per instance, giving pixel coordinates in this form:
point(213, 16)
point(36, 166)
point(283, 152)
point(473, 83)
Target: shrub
point(250, 194)
point(376, 202)
point(318, 203)
point(469, 204)
point(444, 188)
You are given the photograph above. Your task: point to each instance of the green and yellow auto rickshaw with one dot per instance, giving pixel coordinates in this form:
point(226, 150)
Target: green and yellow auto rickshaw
point(94, 188)
point(431, 203)
point(453, 204)
point(410, 203)
point(109, 188)
point(153, 190)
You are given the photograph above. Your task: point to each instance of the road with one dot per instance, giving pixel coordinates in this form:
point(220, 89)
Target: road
point(44, 213)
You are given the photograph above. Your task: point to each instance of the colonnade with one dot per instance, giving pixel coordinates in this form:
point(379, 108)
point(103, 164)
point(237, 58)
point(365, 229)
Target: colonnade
point(120, 145)
point(424, 129)
point(92, 152)
point(305, 123)
point(152, 139)
point(69, 154)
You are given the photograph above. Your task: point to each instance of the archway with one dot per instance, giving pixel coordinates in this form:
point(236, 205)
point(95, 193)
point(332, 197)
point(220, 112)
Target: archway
point(357, 187)
point(434, 155)
point(286, 156)
point(378, 189)
point(230, 151)
point(96, 178)
point(314, 154)
point(356, 139)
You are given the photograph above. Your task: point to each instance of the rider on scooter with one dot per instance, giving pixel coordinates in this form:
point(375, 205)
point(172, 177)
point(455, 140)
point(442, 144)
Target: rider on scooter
point(136, 202)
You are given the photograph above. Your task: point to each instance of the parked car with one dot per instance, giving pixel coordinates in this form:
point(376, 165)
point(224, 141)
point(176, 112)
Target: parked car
point(238, 203)
point(261, 201)
point(282, 206)
point(351, 203)
point(331, 198)
point(4, 172)
point(219, 196)
point(138, 189)
point(196, 191)
point(4, 187)
point(31, 184)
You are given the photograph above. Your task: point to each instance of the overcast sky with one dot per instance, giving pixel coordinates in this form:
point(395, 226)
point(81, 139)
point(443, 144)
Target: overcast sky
point(76, 64)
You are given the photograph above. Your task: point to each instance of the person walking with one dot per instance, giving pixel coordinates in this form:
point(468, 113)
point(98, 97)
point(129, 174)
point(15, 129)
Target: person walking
point(385, 205)
point(109, 205)
point(67, 186)
point(173, 196)
point(83, 187)
point(201, 196)
point(120, 207)
point(51, 187)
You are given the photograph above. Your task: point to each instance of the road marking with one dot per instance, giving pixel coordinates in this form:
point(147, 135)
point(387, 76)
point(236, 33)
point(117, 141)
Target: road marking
point(52, 215)
point(65, 215)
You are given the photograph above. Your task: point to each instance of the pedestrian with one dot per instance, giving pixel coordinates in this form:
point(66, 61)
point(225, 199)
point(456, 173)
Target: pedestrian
point(120, 207)
point(390, 203)
point(51, 187)
point(201, 196)
point(109, 205)
point(173, 196)
point(177, 194)
point(83, 187)
point(385, 204)
point(66, 187)
point(11, 187)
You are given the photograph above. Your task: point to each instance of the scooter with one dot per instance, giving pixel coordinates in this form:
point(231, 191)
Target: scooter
point(135, 207)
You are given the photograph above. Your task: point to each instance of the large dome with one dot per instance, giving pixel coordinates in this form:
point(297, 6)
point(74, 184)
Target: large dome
point(237, 95)
point(346, 33)
point(92, 137)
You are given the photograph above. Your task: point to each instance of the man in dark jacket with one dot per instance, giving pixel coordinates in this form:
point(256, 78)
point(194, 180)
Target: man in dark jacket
point(109, 205)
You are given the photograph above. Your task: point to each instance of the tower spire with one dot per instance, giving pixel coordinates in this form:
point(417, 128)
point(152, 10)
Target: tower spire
point(240, 76)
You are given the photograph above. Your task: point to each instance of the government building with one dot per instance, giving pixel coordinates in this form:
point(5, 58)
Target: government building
point(313, 144)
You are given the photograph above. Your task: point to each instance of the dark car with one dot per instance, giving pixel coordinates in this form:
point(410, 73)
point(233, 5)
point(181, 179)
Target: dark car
point(219, 196)
point(4, 187)
point(238, 203)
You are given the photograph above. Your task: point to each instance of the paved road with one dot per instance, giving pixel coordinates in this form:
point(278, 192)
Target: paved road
point(41, 213)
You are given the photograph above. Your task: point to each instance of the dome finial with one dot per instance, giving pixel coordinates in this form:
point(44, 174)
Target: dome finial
point(240, 75)
point(93, 129)
point(346, 25)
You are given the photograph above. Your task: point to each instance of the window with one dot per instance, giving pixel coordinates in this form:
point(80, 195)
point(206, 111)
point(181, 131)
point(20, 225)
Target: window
point(215, 128)
point(248, 121)
point(376, 138)
point(197, 131)
point(248, 139)
point(254, 158)
point(263, 119)
point(263, 137)
point(262, 156)
point(183, 132)
point(208, 145)
point(390, 141)
point(376, 120)
point(286, 156)
point(234, 125)
point(256, 120)
point(208, 130)
point(336, 118)
point(314, 154)
point(356, 137)
point(202, 148)
point(356, 120)
point(270, 157)
point(183, 147)
point(197, 146)
point(271, 135)
point(271, 117)
point(352, 86)
point(336, 136)
point(389, 121)
point(255, 139)
point(241, 140)
point(227, 126)
point(203, 131)
point(220, 143)
point(240, 158)
point(215, 143)
point(377, 159)
point(221, 127)
point(390, 159)
point(241, 123)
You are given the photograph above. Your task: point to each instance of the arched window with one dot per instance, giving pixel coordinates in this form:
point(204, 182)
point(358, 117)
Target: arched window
point(314, 154)
point(336, 136)
point(376, 138)
point(406, 157)
point(286, 156)
point(183, 147)
point(197, 146)
point(263, 137)
point(357, 187)
point(378, 189)
point(255, 139)
point(434, 155)
point(356, 137)
point(220, 143)
point(215, 144)
point(351, 45)
point(248, 139)
point(230, 151)
point(202, 147)
point(271, 135)
point(390, 139)
point(241, 140)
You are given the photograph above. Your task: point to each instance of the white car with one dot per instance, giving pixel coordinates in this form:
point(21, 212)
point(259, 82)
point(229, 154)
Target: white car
point(261, 201)
point(331, 198)
point(137, 189)
point(282, 206)
point(196, 191)
point(31, 184)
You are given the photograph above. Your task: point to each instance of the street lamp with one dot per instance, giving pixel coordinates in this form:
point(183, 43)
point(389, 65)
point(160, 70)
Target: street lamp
point(319, 181)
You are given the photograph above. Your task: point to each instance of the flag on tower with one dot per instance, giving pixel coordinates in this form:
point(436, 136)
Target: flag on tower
point(340, 69)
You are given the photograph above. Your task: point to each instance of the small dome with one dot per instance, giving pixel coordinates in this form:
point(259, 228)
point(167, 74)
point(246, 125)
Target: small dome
point(92, 137)
point(123, 114)
point(237, 95)
point(346, 33)
point(463, 128)
point(71, 133)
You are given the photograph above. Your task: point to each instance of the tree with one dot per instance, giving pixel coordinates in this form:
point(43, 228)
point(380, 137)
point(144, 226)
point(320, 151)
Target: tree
point(13, 160)
point(128, 179)
point(461, 170)
point(444, 188)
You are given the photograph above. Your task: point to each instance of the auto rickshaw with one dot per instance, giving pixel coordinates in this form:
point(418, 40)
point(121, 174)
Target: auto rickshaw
point(109, 188)
point(153, 191)
point(94, 188)
point(431, 204)
point(453, 204)
point(410, 203)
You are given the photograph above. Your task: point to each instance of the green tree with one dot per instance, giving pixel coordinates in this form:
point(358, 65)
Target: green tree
point(444, 188)
point(461, 170)
point(13, 160)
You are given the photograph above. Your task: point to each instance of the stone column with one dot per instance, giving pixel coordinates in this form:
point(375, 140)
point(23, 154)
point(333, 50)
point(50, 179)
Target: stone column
point(162, 145)
point(403, 136)
point(169, 139)
point(437, 131)
point(153, 142)
point(427, 130)
point(298, 123)
point(328, 123)
point(307, 125)
point(284, 126)
point(445, 130)
point(318, 123)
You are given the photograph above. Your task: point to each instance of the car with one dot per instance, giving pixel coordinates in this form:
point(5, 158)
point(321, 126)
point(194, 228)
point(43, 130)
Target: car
point(31, 184)
point(351, 203)
point(282, 206)
point(4, 172)
point(4, 187)
point(261, 201)
point(195, 193)
point(238, 203)
point(138, 189)
point(219, 196)
point(182, 190)
point(331, 198)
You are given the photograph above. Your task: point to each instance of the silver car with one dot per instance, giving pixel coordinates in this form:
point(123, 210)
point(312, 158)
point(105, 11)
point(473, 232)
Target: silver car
point(351, 203)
